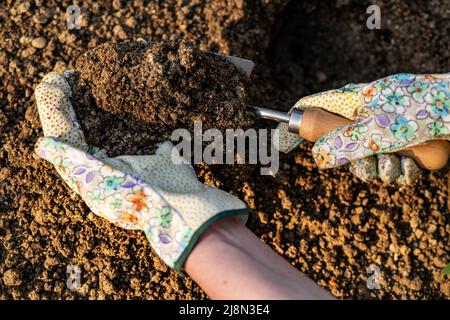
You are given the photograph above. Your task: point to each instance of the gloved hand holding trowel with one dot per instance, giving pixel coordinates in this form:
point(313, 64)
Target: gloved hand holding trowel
point(389, 128)
point(405, 113)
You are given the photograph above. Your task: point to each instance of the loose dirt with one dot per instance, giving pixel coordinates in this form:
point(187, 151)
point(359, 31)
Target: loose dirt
point(326, 223)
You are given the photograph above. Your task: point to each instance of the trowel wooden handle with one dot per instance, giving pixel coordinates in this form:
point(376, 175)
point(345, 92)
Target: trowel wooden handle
point(317, 123)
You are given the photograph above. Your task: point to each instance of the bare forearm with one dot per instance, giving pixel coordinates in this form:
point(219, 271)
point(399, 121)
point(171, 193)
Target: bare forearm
point(230, 262)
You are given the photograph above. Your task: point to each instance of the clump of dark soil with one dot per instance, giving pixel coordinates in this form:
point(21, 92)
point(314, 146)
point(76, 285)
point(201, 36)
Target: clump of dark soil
point(328, 224)
point(130, 95)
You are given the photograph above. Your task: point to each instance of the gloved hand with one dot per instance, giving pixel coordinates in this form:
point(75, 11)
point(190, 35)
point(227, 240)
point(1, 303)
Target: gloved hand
point(151, 193)
point(389, 115)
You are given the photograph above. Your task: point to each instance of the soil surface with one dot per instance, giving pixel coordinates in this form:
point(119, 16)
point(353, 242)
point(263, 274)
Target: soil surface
point(328, 224)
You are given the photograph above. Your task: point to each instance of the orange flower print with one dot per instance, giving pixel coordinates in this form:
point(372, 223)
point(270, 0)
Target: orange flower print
point(373, 146)
point(375, 143)
point(128, 217)
point(323, 156)
point(139, 200)
point(369, 93)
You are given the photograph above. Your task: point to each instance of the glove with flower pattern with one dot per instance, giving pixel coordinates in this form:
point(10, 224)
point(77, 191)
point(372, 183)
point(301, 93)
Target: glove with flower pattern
point(389, 115)
point(159, 193)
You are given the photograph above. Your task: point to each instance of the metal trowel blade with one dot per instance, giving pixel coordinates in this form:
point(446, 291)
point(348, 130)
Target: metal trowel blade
point(244, 65)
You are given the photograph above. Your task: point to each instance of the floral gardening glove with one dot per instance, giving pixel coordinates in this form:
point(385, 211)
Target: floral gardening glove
point(159, 193)
point(390, 114)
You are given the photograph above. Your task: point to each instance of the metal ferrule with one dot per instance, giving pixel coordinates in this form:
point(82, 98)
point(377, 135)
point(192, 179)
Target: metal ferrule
point(295, 120)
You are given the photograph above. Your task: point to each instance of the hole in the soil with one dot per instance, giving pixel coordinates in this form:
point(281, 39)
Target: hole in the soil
point(320, 45)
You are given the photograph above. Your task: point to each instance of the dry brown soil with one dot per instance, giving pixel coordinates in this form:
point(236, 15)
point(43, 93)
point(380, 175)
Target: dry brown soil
point(327, 224)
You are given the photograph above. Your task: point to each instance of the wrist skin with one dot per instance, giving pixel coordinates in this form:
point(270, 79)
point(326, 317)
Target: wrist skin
point(230, 262)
